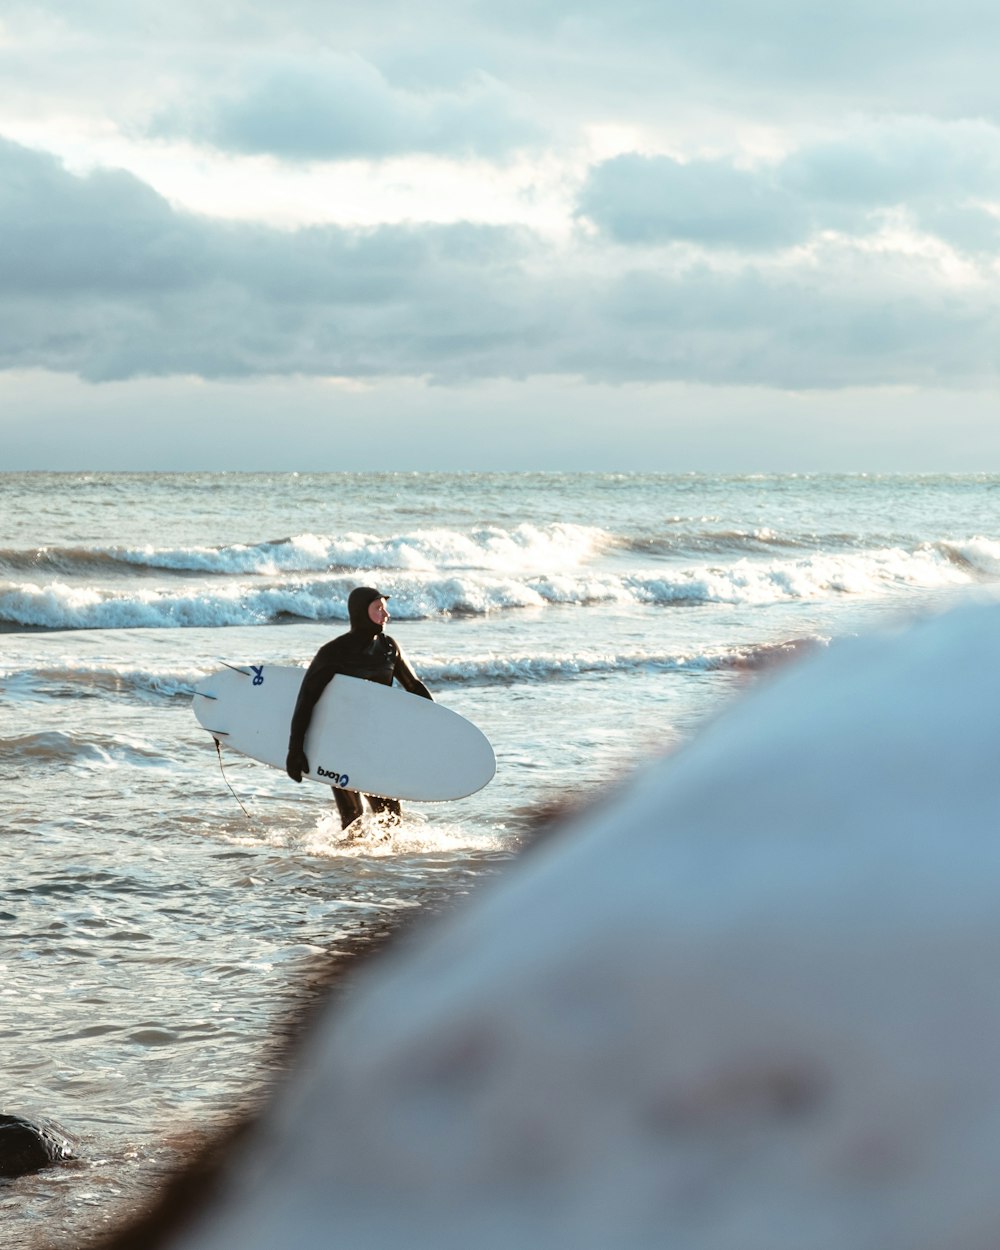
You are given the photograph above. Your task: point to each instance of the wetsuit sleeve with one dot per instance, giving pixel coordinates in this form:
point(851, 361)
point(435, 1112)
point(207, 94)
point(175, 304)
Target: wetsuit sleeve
point(407, 678)
point(318, 676)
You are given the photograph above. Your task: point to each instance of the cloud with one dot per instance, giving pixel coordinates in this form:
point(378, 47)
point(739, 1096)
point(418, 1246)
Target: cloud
point(582, 62)
point(899, 160)
point(656, 199)
point(104, 279)
point(665, 64)
point(969, 228)
point(849, 318)
point(797, 197)
point(330, 107)
point(787, 55)
point(945, 178)
point(106, 234)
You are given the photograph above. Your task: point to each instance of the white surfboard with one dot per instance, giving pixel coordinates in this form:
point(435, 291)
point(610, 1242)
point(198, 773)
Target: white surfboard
point(363, 736)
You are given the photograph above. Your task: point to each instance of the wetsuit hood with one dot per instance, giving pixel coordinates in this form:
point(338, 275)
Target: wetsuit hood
point(358, 603)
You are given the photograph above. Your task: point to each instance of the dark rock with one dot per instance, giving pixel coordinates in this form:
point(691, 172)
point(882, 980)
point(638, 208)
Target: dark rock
point(28, 1145)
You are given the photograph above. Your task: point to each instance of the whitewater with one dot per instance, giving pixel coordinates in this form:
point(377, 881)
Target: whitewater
point(155, 931)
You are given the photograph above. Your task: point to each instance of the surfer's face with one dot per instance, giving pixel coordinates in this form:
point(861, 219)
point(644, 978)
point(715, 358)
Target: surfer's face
point(378, 613)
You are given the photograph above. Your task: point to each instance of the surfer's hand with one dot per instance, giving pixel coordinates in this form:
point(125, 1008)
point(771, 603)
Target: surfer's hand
point(296, 764)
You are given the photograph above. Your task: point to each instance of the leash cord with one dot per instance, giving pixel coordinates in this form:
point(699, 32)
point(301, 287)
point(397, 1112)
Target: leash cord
point(218, 751)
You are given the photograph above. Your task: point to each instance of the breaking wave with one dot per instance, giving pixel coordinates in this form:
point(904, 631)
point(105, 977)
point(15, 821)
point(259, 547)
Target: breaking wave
point(524, 668)
point(527, 668)
point(423, 595)
point(518, 551)
point(523, 547)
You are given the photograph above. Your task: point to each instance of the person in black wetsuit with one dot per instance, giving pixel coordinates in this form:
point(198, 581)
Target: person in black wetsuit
point(365, 651)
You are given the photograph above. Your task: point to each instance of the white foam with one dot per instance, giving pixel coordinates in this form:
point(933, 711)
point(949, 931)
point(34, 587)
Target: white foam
point(378, 838)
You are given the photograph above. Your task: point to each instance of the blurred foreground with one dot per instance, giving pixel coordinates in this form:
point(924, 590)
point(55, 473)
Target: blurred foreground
point(751, 1000)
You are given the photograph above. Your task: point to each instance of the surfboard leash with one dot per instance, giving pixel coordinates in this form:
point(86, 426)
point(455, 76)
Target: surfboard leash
point(222, 769)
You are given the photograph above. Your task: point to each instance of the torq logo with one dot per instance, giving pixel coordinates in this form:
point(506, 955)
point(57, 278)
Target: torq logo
point(338, 779)
point(258, 674)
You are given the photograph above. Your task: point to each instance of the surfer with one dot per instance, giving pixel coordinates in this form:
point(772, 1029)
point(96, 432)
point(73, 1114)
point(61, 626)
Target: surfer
point(365, 651)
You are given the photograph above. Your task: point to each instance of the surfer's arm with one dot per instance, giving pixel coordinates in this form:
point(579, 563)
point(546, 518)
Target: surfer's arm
point(407, 678)
point(318, 677)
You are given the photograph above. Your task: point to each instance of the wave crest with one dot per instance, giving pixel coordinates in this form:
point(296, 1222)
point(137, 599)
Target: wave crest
point(523, 548)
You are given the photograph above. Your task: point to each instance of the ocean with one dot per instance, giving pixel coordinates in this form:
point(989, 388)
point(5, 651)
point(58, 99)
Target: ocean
point(160, 906)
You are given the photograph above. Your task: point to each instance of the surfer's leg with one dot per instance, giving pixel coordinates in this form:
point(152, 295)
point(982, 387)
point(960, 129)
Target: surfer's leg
point(390, 807)
point(348, 804)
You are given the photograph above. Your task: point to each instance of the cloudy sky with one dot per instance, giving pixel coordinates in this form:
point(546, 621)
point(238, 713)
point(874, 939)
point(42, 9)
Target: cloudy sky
point(621, 234)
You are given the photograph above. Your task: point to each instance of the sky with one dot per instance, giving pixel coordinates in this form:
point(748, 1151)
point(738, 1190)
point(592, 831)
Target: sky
point(732, 236)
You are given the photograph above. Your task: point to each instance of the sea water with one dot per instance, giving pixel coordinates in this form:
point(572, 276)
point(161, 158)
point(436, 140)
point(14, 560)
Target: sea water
point(161, 907)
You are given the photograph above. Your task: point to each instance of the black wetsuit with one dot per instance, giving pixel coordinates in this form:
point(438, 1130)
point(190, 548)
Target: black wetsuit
point(367, 652)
